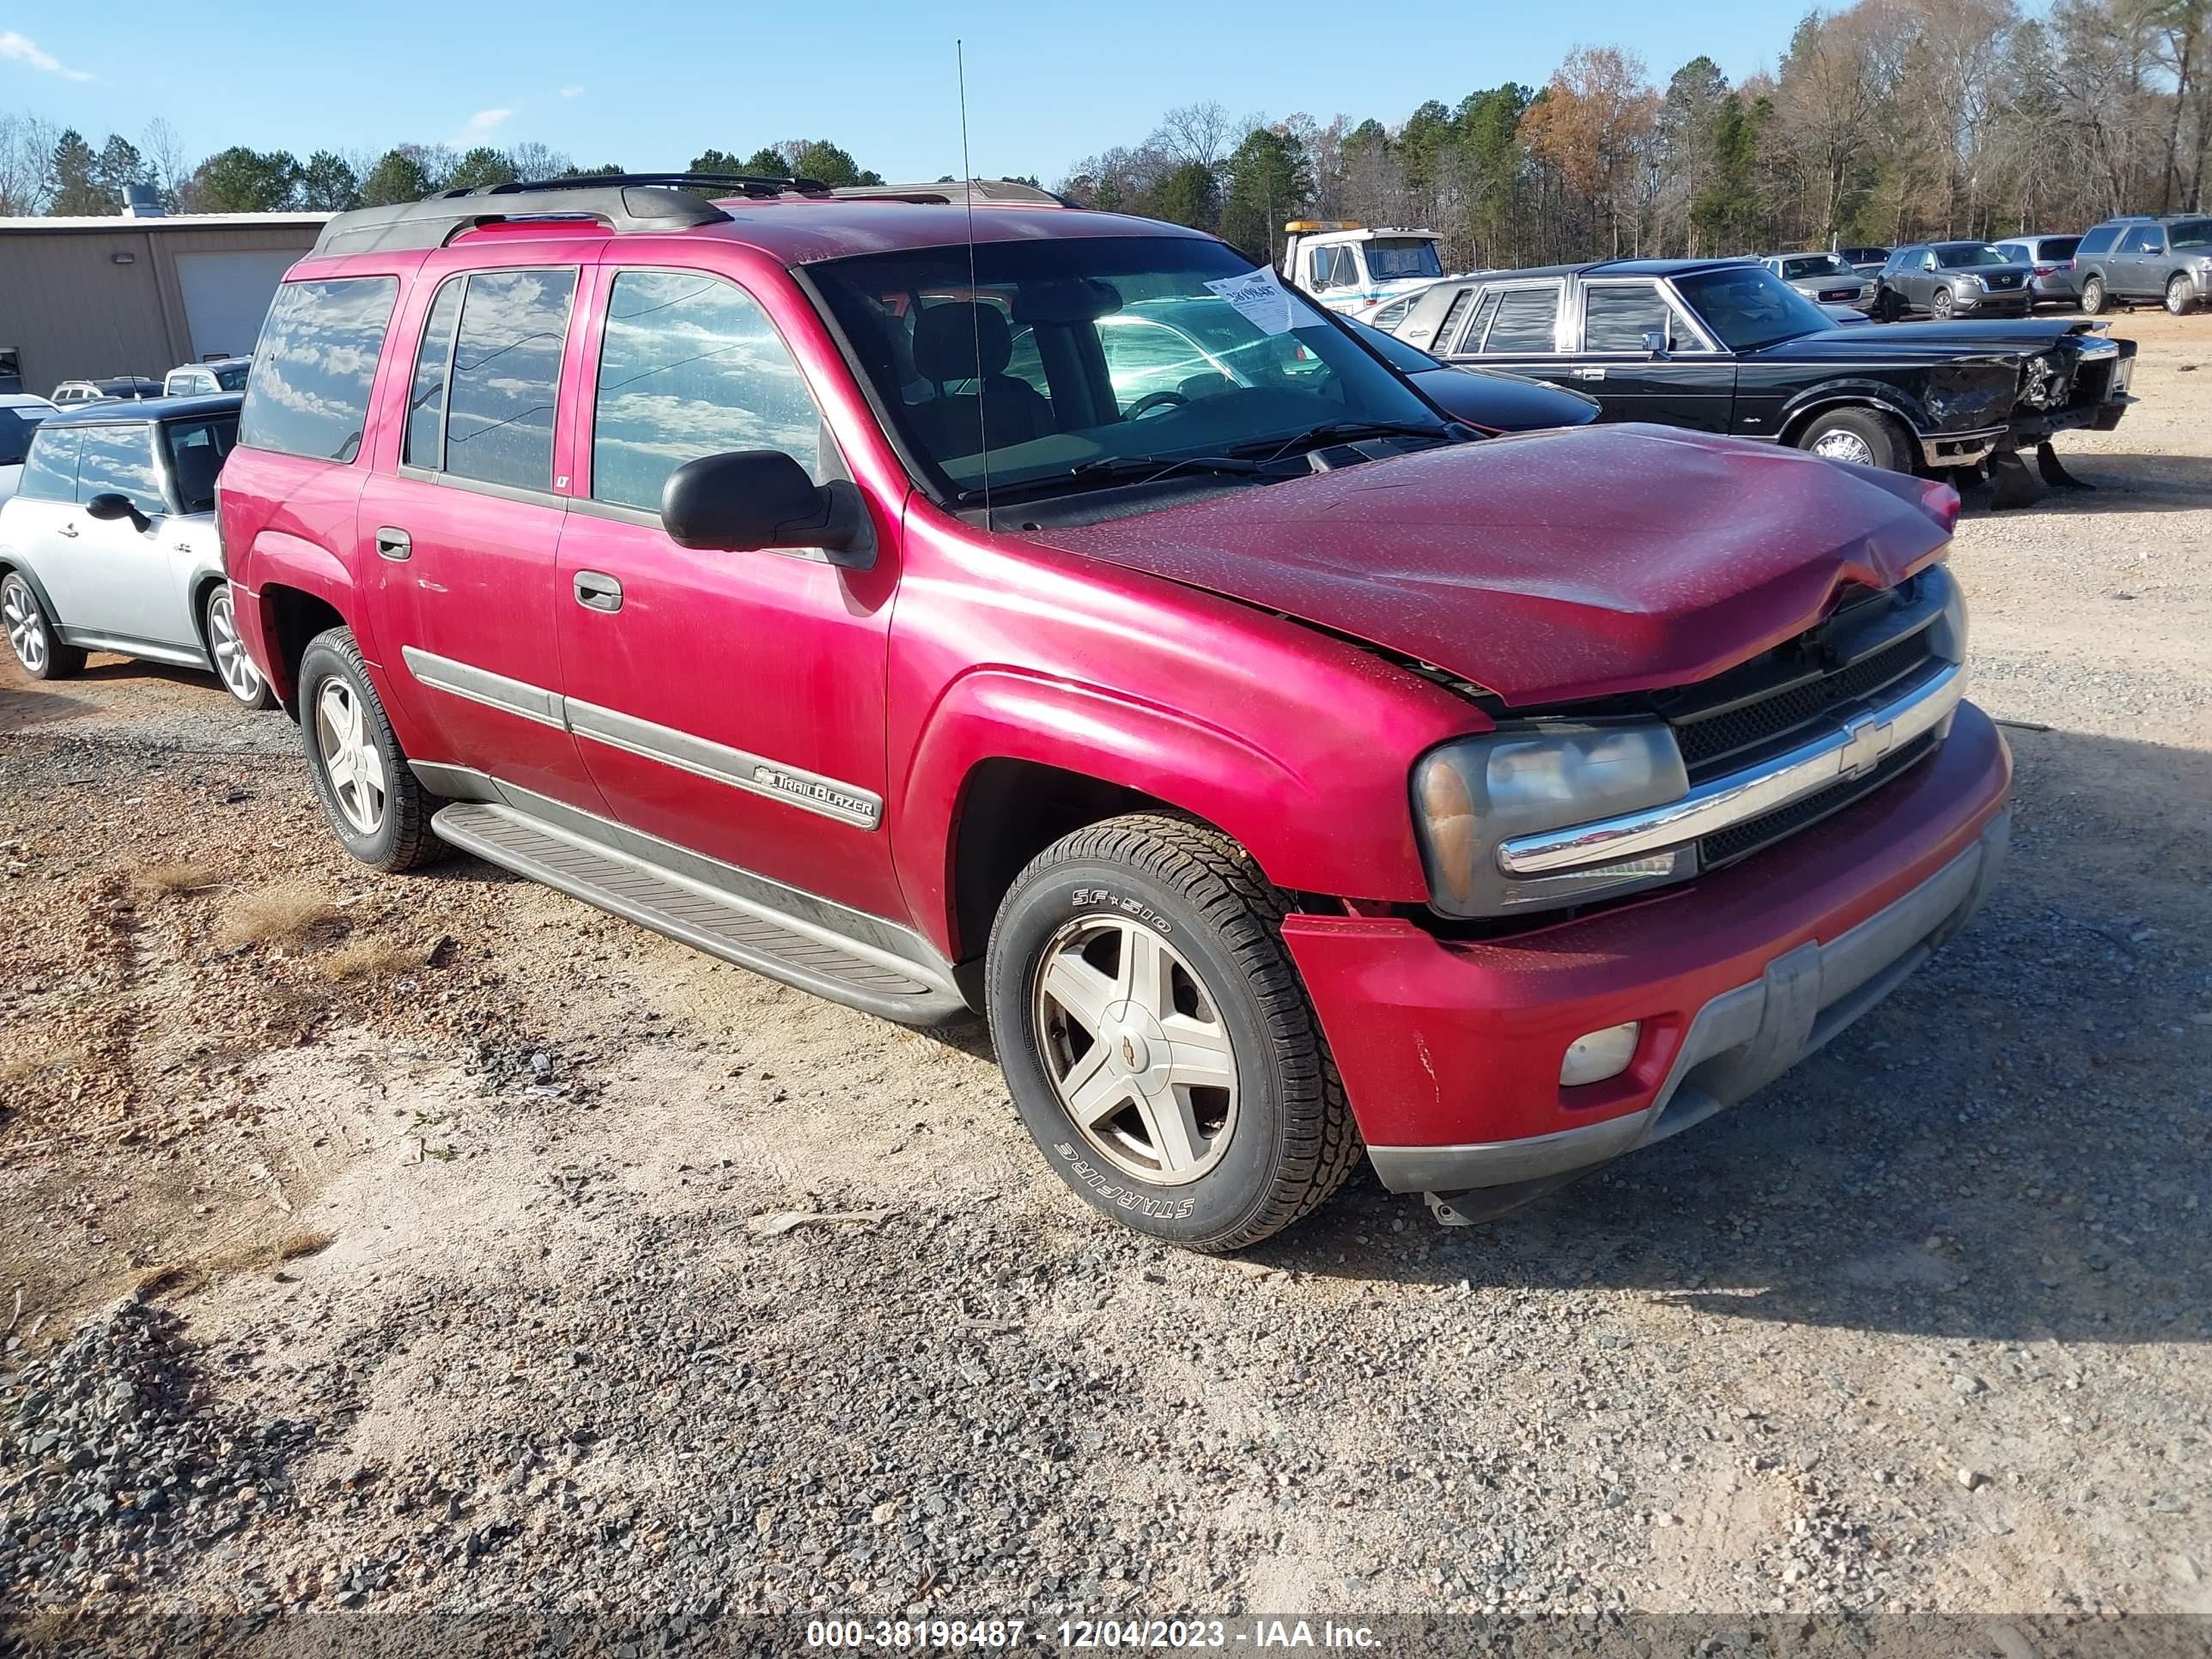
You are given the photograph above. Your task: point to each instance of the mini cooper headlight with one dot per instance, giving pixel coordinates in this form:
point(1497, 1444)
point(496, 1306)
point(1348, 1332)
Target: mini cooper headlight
point(1472, 794)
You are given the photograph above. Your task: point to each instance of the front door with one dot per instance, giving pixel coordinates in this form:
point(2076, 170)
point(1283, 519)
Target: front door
point(2139, 265)
point(460, 536)
point(731, 702)
point(120, 578)
point(1685, 382)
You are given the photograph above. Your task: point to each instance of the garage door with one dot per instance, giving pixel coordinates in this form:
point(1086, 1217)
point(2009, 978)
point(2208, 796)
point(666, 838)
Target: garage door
point(226, 297)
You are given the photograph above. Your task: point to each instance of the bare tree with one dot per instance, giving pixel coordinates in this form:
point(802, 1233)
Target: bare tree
point(1200, 134)
point(26, 149)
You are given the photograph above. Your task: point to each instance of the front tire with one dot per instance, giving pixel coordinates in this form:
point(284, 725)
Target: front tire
point(2181, 296)
point(2093, 295)
point(377, 811)
point(226, 652)
point(1158, 1040)
point(1942, 305)
point(30, 633)
point(1864, 437)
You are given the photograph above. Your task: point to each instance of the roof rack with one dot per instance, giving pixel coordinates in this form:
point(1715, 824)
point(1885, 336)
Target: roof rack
point(982, 192)
point(623, 202)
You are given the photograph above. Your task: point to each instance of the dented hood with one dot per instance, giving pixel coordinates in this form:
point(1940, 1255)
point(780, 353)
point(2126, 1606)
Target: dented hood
point(1547, 566)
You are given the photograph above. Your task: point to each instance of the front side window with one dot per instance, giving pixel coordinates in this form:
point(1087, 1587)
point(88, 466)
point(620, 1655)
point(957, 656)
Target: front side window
point(1749, 306)
point(506, 377)
point(691, 366)
point(50, 467)
point(1527, 321)
point(1616, 316)
point(307, 391)
point(941, 372)
point(16, 426)
point(2144, 238)
point(196, 451)
point(119, 460)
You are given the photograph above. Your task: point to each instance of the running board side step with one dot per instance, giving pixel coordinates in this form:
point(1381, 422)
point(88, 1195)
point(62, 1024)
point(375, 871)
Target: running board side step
point(750, 934)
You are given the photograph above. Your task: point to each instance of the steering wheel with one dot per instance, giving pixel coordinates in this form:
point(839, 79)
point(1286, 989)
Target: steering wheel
point(1156, 400)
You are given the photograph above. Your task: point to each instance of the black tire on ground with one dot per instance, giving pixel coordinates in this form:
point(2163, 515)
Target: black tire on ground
point(1941, 304)
point(218, 600)
point(2093, 295)
point(2181, 295)
point(402, 838)
point(1887, 444)
point(1292, 1141)
point(38, 648)
point(1888, 305)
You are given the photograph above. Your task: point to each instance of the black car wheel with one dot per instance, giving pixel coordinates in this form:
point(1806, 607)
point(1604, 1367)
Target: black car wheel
point(2181, 295)
point(1888, 305)
point(1158, 1040)
point(2092, 295)
point(1864, 437)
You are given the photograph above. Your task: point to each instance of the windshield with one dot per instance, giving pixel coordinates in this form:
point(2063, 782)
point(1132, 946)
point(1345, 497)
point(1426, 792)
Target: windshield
point(1816, 264)
point(1391, 258)
point(1749, 307)
point(1957, 256)
point(2191, 233)
point(1094, 350)
point(16, 426)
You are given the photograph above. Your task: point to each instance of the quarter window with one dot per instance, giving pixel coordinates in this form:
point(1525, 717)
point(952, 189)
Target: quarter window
point(690, 365)
point(120, 460)
point(1527, 321)
point(2098, 240)
point(1616, 316)
point(1440, 341)
point(50, 469)
point(308, 391)
point(506, 377)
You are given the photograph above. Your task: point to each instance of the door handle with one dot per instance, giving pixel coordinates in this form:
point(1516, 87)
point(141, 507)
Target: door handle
point(597, 591)
point(1589, 375)
point(394, 545)
point(67, 530)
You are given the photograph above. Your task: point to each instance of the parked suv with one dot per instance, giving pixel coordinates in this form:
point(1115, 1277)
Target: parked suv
point(1952, 279)
point(1281, 767)
point(2050, 261)
point(217, 375)
point(109, 543)
point(2138, 257)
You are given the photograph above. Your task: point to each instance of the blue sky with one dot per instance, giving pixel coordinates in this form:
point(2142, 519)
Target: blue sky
point(649, 83)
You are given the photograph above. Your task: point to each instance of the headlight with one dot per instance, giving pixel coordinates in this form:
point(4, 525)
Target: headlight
point(1472, 794)
point(1972, 282)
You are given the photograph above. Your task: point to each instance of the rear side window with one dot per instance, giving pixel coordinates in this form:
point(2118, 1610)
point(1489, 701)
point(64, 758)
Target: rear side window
point(197, 452)
point(2098, 240)
point(1442, 341)
point(1527, 321)
point(308, 391)
point(691, 366)
point(506, 377)
point(50, 468)
point(119, 460)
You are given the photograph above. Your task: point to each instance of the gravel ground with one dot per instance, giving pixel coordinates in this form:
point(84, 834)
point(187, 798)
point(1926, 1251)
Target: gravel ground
point(436, 1245)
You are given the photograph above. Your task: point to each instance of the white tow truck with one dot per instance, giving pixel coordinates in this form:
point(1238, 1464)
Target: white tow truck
point(1350, 268)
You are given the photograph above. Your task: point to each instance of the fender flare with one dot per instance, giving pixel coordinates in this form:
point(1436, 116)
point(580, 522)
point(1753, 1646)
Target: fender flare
point(1007, 714)
point(1816, 401)
point(282, 560)
point(12, 561)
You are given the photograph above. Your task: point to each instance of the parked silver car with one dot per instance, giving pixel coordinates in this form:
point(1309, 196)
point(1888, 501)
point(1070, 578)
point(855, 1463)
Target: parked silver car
point(1823, 278)
point(2051, 261)
point(217, 375)
point(20, 415)
point(109, 543)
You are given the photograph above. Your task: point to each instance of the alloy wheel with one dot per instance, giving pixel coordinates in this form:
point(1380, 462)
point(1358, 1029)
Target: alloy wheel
point(1134, 1045)
point(1842, 446)
point(352, 760)
point(26, 624)
point(239, 675)
point(1940, 306)
point(2180, 293)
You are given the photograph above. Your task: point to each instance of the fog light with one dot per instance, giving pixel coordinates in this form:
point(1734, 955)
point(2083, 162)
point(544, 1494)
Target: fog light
point(1596, 1055)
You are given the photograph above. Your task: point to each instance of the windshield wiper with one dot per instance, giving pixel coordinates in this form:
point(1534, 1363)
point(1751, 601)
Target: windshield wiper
point(1340, 431)
point(1118, 468)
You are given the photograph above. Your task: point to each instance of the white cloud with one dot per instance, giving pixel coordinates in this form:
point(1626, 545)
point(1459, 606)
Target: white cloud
point(23, 51)
point(572, 92)
point(483, 124)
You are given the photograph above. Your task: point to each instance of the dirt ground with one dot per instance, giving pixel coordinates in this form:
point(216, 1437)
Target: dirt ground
point(479, 1186)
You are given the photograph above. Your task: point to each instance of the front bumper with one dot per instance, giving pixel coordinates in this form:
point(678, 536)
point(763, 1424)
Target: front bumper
point(2013, 302)
point(1450, 1050)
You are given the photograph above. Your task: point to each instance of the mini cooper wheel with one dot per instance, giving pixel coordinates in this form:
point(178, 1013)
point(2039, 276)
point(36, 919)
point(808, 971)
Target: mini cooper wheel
point(1158, 1042)
point(226, 651)
point(380, 814)
point(30, 633)
point(2181, 296)
point(2093, 295)
point(1864, 437)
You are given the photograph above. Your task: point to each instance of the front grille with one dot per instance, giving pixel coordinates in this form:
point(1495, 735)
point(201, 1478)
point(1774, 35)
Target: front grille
point(1732, 738)
point(1839, 294)
point(1742, 840)
point(2009, 281)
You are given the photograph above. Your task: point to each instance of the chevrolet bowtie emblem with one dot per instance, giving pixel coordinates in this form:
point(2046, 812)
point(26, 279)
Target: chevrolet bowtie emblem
point(1866, 741)
point(1129, 1054)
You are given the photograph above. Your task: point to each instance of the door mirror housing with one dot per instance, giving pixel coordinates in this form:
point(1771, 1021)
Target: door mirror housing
point(1656, 342)
point(110, 505)
point(744, 500)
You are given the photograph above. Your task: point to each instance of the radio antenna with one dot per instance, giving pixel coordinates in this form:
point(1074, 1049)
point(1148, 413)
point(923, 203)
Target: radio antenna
point(974, 298)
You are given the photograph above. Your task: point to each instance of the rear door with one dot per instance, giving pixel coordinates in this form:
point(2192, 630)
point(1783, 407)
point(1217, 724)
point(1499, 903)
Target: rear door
point(1516, 326)
point(460, 522)
point(1688, 382)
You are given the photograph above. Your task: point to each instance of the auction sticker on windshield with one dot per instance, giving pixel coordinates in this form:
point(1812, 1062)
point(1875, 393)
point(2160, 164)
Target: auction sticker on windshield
point(1262, 300)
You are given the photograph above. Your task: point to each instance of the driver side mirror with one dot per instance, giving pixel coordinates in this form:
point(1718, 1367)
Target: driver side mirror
point(110, 505)
point(1657, 342)
point(744, 500)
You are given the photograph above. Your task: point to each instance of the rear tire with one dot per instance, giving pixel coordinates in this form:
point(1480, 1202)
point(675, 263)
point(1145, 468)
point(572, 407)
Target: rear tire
point(1888, 305)
point(1864, 437)
point(1158, 1040)
point(378, 811)
point(2181, 295)
point(2093, 295)
point(226, 652)
point(30, 633)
